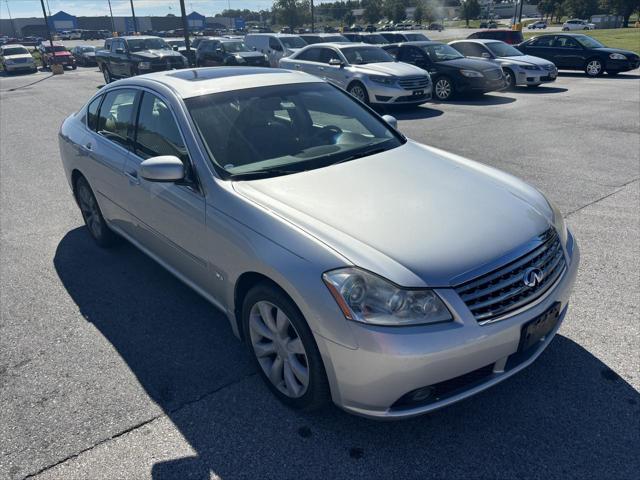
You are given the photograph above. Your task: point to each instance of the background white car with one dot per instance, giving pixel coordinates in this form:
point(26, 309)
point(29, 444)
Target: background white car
point(577, 24)
point(15, 58)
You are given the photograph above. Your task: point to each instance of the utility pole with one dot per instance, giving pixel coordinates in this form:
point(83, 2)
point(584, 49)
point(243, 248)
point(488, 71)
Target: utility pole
point(312, 19)
point(520, 16)
point(54, 60)
point(135, 23)
point(185, 30)
point(113, 24)
point(13, 27)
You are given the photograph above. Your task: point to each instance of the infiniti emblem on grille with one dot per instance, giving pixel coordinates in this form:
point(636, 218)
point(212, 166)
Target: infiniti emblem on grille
point(532, 277)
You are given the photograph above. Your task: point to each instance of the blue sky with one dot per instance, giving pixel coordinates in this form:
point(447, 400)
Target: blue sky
point(32, 8)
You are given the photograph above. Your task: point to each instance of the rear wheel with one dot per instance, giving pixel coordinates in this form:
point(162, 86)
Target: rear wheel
point(593, 67)
point(92, 215)
point(359, 91)
point(284, 348)
point(443, 88)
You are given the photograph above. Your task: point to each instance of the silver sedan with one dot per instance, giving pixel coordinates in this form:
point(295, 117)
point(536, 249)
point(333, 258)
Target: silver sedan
point(365, 71)
point(519, 69)
point(359, 266)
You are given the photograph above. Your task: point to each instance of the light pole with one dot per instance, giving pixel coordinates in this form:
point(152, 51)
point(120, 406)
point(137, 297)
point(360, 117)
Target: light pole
point(54, 67)
point(135, 23)
point(312, 19)
point(13, 27)
point(185, 30)
point(113, 24)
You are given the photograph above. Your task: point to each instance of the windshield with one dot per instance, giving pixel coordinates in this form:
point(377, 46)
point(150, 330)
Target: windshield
point(87, 49)
point(177, 43)
point(56, 48)
point(139, 44)
point(234, 47)
point(363, 55)
point(416, 37)
point(500, 49)
point(442, 52)
point(275, 130)
point(293, 42)
point(588, 42)
point(374, 39)
point(15, 51)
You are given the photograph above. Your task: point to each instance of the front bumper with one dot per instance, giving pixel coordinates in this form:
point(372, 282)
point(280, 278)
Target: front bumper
point(388, 95)
point(391, 362)
point(622, 65)
point(535, 77)
point(481, 85)
point(20, 67)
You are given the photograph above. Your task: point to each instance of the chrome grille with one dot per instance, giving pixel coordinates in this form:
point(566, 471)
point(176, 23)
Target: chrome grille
point(503, 290)
point(21, 60)
point(414, 83)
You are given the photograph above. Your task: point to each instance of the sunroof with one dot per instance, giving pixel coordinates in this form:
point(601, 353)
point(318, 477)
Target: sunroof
point(197, 74)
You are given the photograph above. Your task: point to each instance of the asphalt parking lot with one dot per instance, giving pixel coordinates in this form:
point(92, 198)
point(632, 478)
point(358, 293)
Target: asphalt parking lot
point(112, 368)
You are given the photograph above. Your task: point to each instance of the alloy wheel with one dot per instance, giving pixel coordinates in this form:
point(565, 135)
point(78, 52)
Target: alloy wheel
point(358, 92)
point(508, 76)
point(443, 89)
point(90, 211)
point(594, 68)
point(279, 349)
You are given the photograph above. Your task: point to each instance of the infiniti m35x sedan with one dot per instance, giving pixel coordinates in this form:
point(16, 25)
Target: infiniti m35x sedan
point(357, 265)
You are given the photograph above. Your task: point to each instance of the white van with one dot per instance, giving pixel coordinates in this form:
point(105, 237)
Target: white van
point(274, 45)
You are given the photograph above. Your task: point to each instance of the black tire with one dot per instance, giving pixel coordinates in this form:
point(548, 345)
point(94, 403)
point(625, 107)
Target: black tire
point(74, 66)
point(91, 214)
point(107, 75)
point(440, 90)
point(359, 91)
point(317, 394)
point(511, 78)
point(593, 67)
point(565, 29)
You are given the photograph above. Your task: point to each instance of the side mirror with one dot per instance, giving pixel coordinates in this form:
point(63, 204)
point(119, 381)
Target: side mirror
point(165, 168)
point(119, 51)
point(218, 50)
point(485, 55)
point(175, 47)
point(336, 62)
point(391, 121)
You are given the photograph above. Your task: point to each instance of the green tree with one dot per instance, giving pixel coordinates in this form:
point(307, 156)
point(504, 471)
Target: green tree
point(372, 10)
point(418, 14)
point(626, 8)
point(470, 9)
point(581, 8)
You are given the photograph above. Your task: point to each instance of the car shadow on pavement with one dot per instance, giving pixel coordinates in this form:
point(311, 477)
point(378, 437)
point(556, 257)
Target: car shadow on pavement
point(477, 100)
point(414, 113)
point(541, 90)
point(621, 76)
point(568, 415)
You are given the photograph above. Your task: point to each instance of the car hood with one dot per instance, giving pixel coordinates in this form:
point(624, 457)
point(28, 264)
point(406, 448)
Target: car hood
point(417, 215)
point(524, 60)
point(389, 68)
point(470, 63)
point(153, 54)
point(88, 54)
point(16, 57)
point(627, 53)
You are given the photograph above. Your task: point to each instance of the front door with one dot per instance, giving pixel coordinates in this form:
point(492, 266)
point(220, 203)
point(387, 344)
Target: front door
point(567, 52)
point(169, 217)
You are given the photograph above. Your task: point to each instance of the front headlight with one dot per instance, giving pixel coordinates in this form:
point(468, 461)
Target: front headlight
point(529, 67)
point(383, 80)
point(144, 65)
point(239, 59)
point(558, 223)
point(9, 61)
point(617, 56)
point(471, 73)
point(368, 298)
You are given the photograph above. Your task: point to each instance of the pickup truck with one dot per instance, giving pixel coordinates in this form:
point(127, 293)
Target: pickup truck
point(130, 56)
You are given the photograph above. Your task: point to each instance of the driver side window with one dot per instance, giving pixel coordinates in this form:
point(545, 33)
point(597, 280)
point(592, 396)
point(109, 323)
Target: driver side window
point(565, 42)
point(274, 44)
point(328, 54)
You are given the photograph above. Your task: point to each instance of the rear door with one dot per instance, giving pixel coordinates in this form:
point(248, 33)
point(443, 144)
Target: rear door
point(309, 61)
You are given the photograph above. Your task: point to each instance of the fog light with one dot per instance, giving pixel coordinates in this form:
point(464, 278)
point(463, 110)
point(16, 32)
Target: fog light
point(421, 394)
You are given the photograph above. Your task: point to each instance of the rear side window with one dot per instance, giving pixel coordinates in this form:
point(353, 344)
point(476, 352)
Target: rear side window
point(309, 55)
point(328, 54)
point(116, 116)
point(545, 41)
point(468, 49)
point(92, 113)
point(157, 132)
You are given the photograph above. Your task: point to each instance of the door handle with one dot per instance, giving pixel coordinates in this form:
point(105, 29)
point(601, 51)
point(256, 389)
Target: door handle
point(88, 146)
point(321, 68)
point(133, 177)
point(298, 65)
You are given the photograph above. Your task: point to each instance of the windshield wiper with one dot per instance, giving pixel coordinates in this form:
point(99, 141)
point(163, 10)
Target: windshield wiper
point(363, 153)
point(263, 173)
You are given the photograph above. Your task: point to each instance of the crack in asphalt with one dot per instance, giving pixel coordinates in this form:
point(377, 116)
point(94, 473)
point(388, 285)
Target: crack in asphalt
point(619, 188)
point(139, 425)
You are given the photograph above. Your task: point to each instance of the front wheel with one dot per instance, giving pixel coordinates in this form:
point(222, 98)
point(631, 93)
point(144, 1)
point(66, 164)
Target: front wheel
point(593, 67)
point(443, 89)
point(359, 91)
point(284, 348)
point(106, 74)
point(510, 78)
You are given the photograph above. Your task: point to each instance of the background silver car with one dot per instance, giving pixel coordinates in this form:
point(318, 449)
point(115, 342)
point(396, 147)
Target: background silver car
point(365, 71)
point(391, 277)
point(519, 69)
point(16, 58)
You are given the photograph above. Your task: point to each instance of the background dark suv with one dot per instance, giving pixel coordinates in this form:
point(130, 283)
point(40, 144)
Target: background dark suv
point(512, 37)
point(221, 51)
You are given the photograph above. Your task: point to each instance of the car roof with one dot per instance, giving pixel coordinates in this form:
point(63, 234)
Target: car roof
point(194, 82)
point(134, 37)
point(416, 43)
point(273, 35)
point(13, 45)
point(478, 40)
